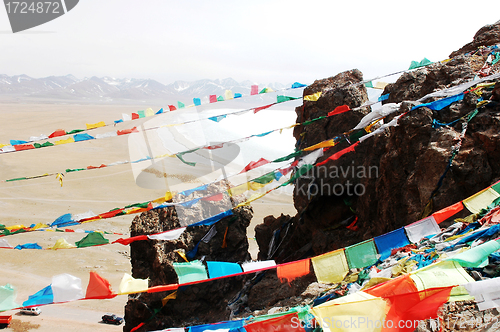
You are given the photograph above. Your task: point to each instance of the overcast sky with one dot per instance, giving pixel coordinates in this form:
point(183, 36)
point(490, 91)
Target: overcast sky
point(262, 41)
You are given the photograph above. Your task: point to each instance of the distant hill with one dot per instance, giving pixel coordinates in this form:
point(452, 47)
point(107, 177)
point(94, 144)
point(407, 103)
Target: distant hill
point(110, 89)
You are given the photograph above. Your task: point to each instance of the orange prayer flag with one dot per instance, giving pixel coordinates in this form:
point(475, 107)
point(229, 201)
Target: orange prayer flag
point(399, 285)
point(407, 310)
point(98, 288)
point(290, 271)
point(447, 212)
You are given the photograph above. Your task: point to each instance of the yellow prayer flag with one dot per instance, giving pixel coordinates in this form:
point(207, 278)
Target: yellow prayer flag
point(62, 244)
point(330, 267)
point(65, 141)
point(228, 95)
point(362, 315)
point(443, 274)
point(481, 200)
point(171, 296)
point(255, 185)
point(2, 145)
point(182, 254)
point(324, 144)
point(313, 97)
point(380, 85)
point(149, 112)
point(15, 227)
point(130, 285)
point(40, 225)
point(59, 177)
point(95, 125)
point(238, 190)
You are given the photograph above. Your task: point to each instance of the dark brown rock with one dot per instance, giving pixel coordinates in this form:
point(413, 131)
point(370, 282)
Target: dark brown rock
point(197, 304)
point(486, 36)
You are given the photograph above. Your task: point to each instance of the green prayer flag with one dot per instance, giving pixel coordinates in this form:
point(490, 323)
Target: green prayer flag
point(92, 239)
point(142, 114)
point(69, 170)
point(16, 179)
point(496, 187)
point(477, 256)
point(290, 156)
point(313, 120)
point(180, 105)
point(139, 205)
point(190, 271)
point(416, 64)
point(220, 98)
point(281, 99)
point(361, 255)
point(38, 145)
point(74, 131)
point(369, 84)
point(266, 178)
point(8, 298)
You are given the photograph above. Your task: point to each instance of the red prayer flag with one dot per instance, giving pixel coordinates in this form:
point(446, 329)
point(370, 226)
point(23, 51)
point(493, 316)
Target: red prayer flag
point(285, 323)
point(407, 310)
point(172, 108)
point(339, 109)
point(110, 214)
point(213, 98)
point(98, 288)
point(213, 198)
point(135, 116)
point(254, 90)
point(254, 164)
point(127, 131)
point(57, 133)
point(339, 154)
point(290, 271)
point(21, 147)
point(129, 240)
point(255, 110)
point(447, 212)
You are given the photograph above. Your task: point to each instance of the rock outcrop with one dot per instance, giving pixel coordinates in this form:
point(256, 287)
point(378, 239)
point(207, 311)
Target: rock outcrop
point(203, 303)
point(390, 180)
point(396, 172)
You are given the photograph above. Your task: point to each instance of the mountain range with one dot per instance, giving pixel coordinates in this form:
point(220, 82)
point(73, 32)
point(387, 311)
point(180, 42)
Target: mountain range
point(109, 89)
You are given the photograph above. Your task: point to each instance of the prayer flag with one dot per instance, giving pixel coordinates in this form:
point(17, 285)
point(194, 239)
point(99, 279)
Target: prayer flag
point(220, 269)
point(8, 298)
point(313, 97)
point(395, 239)
point(95, 125)
point(443, 274)
point(130, 285)
point(190, 271)
point(362, 254)
point(480, 200)
point(98, 287)
point(422, 228)
point(330, 267)
point(290, 271)
point(447, 212)
point(66, 287)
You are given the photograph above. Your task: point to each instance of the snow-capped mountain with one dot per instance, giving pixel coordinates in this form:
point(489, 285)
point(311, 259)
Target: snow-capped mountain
point(115, 89)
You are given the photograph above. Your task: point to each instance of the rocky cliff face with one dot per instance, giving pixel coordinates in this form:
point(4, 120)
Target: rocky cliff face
point(197, 304)
point(395, 172)
point(388, 182)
